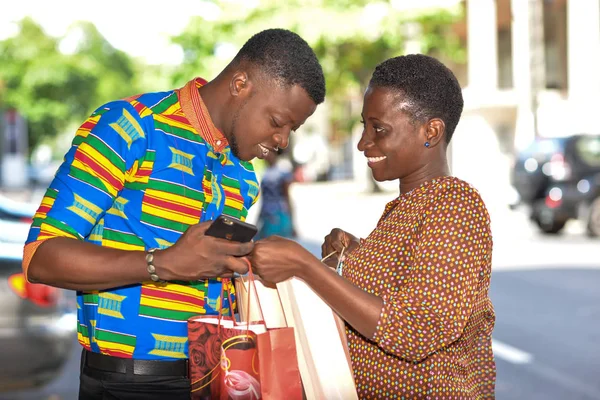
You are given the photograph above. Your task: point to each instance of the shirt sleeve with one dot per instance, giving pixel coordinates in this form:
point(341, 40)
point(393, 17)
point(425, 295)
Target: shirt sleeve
point(106, 148)
point(453, 248)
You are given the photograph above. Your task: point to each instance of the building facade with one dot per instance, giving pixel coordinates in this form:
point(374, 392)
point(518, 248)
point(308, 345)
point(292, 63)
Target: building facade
point(533, 70)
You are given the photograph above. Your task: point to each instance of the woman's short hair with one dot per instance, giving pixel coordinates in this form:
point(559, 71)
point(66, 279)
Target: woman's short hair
point(429, 88)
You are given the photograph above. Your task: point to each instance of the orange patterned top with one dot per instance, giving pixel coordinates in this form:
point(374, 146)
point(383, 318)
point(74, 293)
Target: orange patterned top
point(430, 259)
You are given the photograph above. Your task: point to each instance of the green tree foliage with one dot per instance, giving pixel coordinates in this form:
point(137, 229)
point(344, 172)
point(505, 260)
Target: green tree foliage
point(53, 90)
point(56, 90)
point(350, 38)
point(114, 68)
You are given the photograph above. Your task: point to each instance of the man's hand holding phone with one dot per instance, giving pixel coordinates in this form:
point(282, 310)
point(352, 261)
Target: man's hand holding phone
point(198, 254)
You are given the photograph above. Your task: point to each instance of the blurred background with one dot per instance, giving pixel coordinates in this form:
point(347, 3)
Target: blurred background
point(529, 140)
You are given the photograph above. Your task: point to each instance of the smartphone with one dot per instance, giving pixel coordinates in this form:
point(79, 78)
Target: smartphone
point(226, 227)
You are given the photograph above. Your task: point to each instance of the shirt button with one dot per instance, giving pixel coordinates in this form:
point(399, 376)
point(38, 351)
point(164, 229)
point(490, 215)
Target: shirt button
point(218, 142)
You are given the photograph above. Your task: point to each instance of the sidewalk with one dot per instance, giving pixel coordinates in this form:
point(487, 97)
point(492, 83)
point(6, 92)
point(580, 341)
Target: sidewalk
point(320, 207)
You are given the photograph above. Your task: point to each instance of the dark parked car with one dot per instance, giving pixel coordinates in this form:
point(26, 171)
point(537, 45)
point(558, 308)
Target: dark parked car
point(558, 179)
point(37, 322)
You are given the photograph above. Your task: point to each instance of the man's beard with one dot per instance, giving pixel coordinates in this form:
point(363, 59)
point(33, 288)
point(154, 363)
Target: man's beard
point(233, 144)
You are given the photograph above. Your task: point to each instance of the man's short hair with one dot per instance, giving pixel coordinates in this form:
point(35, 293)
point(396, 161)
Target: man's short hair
point(429, 88)
point(285, 56)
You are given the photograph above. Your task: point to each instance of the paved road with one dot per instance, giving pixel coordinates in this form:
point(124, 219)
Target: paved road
point(551, 318)
point(547, 337)
point(65, 387)
point(545, 291)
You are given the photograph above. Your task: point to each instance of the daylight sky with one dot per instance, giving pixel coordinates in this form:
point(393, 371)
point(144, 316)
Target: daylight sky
point(152, 22)
point(116, 20)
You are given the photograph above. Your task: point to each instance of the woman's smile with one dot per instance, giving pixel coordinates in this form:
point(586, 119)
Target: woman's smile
point(374, 160)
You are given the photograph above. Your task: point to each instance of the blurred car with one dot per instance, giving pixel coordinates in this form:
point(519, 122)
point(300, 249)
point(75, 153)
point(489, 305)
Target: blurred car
point(16, 211)
point(37, 322)
point(15, 219)
point(558, 179)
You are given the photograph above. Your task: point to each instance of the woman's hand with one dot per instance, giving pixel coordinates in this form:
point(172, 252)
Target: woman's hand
point(276, 259)
point(335, 242)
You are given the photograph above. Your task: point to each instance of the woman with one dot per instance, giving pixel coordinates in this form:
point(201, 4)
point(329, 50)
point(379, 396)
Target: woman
point(414, 293)
point(276, 211)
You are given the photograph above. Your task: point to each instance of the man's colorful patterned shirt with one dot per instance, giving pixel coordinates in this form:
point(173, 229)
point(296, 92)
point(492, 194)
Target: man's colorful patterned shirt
point(139, 173)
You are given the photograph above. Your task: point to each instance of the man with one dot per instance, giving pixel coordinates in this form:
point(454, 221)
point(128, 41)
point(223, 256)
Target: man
point(123, 222)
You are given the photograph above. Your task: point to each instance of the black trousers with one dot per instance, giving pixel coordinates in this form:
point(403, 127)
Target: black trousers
point(95, 384)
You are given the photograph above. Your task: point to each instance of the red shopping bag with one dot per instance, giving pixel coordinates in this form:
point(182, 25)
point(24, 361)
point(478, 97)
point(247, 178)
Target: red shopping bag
point(278, 360)
point(278, 365)
point(223, 359)
point(242, 361)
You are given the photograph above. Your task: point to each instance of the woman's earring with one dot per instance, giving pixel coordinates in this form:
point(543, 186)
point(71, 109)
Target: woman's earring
point(427, 144)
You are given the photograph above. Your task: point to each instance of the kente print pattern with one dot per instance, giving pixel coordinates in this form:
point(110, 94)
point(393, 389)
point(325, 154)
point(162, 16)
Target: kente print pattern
point(137, 176)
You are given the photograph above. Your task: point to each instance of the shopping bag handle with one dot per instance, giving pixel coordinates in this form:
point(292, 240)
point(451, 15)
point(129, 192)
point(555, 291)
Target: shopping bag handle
point(252, 281)
point(225, 282)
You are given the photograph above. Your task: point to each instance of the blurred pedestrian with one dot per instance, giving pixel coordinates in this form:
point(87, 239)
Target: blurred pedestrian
point(276, 216)
point(414, 293)
point(123, 222)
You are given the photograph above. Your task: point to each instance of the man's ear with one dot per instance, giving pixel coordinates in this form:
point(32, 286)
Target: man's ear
point(240, 84)
point(435, 131)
